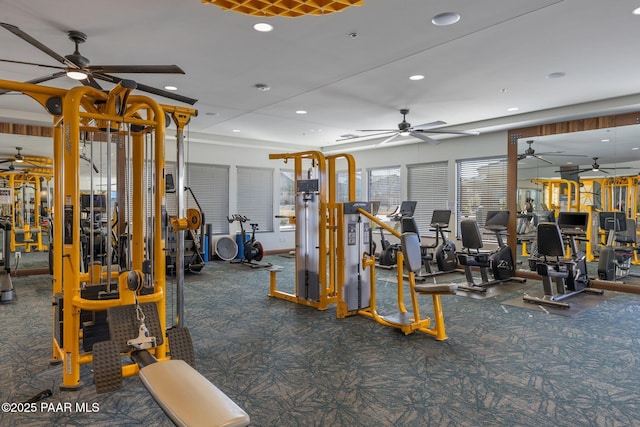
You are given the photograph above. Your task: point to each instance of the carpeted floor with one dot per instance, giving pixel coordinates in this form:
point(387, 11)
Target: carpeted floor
point(291, 365)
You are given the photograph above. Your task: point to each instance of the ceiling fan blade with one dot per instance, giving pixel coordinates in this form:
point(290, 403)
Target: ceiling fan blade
point(376, 130)
point(26, 37)
point(373, 134)
point(559, 154)
point(39, 80)
point(90, 81)
point(392, 137)
point(543, 159)
point(31, 63)
point(148, 89)
point(454, 132)
point(424, 138)
point(159, 69)
point(430, 125)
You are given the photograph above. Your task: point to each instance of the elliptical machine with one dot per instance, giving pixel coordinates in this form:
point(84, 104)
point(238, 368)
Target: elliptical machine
point(500, 261)
point(252, 250)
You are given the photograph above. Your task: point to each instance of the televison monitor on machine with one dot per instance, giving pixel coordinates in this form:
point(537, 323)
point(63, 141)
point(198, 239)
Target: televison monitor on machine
point(99, 201)
point(407, 208)
point(615, 221)
point(497, 219)
point(573, 220)
point(440, 218)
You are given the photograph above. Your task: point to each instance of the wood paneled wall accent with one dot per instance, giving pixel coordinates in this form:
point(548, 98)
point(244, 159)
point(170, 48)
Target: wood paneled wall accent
point(577, 125)
point(29, 130)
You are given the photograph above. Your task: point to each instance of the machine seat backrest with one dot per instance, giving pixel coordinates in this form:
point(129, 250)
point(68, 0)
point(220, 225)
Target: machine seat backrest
point(410, 243)
point(550, 242)
point(471, 237)
point(409, 225)
point(627, 237)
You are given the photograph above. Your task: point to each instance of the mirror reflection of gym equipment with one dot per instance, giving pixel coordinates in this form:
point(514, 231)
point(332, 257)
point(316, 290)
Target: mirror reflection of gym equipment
point(103, 312)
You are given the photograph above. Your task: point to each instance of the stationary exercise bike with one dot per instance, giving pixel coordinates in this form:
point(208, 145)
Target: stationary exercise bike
point(442, 252)
point(252, 251)
point(568, 274)
point(499, 262)
point(387, 258)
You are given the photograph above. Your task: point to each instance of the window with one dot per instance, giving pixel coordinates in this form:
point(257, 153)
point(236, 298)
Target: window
point(482, 186)
point(287, 199)
point(342, 186)
point(255, 196)
point(384, 186)
point(427, 184)
point(210, 185)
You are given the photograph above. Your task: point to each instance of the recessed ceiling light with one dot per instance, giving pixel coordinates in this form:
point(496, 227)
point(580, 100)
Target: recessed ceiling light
point(446, 18)
point(301, 112)
point(569, 163)
point(605, 140)
point(261, 86)
point(263, 27)
point(171, 88)
point(416, 77)
point(556, 75)
point(513, 109)
point(636, 11)
point(236, 130)
point(636, 148)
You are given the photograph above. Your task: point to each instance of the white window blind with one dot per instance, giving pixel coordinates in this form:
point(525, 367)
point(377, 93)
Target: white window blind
point(255, 196)
point(384, 186)
point(210, 185)
point(427, 184)
point(482, 187)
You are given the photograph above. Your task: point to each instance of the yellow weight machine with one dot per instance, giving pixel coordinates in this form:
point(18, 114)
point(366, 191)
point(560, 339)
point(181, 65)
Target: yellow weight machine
point(117, 113)
point(26, 188)
point(316, 221)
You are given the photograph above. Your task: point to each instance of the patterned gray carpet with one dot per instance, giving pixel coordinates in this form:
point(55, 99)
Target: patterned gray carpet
point(290, 365)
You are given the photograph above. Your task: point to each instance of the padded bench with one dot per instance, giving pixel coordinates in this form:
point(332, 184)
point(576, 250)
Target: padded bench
point(188, 398)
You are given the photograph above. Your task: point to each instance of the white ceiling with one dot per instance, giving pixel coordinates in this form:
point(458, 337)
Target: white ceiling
point(497, 57)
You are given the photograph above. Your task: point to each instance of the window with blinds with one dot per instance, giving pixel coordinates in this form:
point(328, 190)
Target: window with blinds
point(427, 184)
point(342, 186)
point(210, 185)
point(481, 187)
point(255, 196)
point(384, 186)
point(287, 199)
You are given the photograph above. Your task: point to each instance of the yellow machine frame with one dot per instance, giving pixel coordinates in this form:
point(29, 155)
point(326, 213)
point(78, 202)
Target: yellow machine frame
point(32, 234)
point(414, 322)
point(87, 109)
point(328, 267)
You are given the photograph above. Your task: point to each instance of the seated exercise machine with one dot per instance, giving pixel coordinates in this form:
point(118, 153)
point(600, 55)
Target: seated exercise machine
point(569, 274)
point(387, 258)
point(357, 289)
point(614, 261)
point(250, 251)
point(500, 261)
point(443, 254)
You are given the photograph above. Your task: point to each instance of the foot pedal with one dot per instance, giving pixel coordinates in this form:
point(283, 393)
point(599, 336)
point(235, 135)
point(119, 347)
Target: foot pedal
point(107, 366)
point(181, 346)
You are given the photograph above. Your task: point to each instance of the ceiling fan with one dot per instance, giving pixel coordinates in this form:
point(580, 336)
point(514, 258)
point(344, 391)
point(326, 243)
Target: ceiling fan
point(595, 167)
point(22, 162)
point(530, 152)
point(78, 67)
point(405, 129)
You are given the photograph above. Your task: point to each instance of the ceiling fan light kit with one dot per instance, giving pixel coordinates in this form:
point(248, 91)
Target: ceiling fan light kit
point(285, 8)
